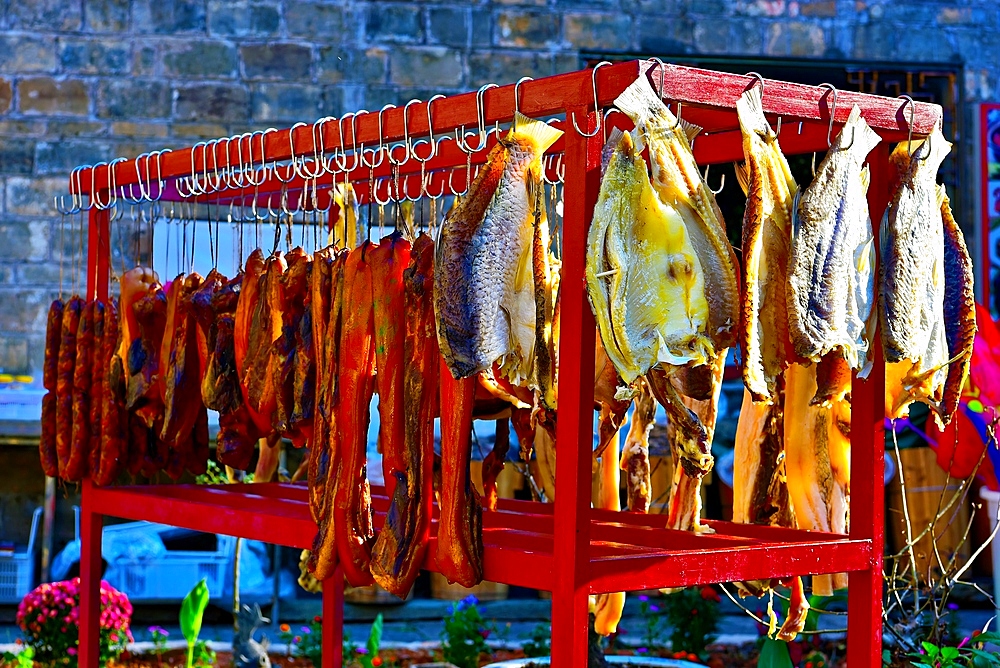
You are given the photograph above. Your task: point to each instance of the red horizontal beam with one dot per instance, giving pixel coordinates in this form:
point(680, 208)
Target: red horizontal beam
point(708, 98)
point(682, 569)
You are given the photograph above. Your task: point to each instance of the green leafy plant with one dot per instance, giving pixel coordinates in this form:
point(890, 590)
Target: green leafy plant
point(308, 643)
point(204, 656)
point(159, 637)
point(969, 652)
point(23, 659)
point(192, 611)
point(49, 617)
point(465, 633)
point(652, 623)
point(693, 615)
point(774, 654)
point(540, 641)
point(368, 656)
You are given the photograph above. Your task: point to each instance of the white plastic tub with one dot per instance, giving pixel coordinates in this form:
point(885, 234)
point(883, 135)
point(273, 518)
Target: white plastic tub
point(992, 500)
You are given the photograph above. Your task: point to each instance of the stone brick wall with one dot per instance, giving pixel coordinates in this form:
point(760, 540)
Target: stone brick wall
point(83, 81)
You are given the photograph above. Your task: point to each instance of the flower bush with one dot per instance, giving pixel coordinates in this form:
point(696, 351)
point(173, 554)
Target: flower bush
point(693, 615)
point(49, 617)
point(465, 633)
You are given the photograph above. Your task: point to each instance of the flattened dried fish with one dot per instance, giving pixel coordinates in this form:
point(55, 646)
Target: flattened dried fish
point(644, 277)
point(474, 290)
point(911, 289)
point(959, 309)
point(679, 184)
point(767, 228)
point(831, 281)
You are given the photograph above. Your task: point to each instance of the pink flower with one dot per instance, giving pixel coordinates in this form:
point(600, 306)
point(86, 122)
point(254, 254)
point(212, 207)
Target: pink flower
point(71, 651)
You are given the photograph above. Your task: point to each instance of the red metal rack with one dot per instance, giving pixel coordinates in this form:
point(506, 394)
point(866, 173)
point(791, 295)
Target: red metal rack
point(567, 547)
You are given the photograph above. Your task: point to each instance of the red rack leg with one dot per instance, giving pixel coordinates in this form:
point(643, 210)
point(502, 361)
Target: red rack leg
point(571, 558)
point(864, 601)
point(333, 620)
point(90, 581)
point(98, 253)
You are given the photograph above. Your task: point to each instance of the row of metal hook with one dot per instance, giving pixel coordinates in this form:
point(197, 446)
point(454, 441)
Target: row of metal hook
point(250, 171)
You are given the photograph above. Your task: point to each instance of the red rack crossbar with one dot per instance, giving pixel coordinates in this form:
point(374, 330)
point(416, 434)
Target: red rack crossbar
point(566, 547)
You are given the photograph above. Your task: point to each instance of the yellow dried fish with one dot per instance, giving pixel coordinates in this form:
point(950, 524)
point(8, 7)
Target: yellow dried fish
point(912, 280)
point(484, 239)
point(767, 228)
point(679, 186)
point(818, 459)
point(644, 277)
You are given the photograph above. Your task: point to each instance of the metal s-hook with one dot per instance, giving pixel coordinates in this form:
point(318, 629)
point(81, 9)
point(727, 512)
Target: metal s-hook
point(430, 133)
point(909, 129)
point(759, 79)
point(722, 182)
point(597, 107)
point(406, 128)
point(663, 72)
point(517, 99)
point(833, 114)
point(480, 122)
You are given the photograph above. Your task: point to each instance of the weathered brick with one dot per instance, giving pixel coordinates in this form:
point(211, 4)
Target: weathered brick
point(797, 38)
point(376, 97)
point(197, 130)
point(747, 37)
point(713, 9)
point(276, 61)
point(819, 8)
point(60, 157)
point(94, 56)
point(448, 25)
point(343, 98)
point(24, 54)
point(32, 196)
point(132, 129)
point(173, 16)
point(538, 3)
point(332, 24)
point(243, 19)
point(607, 32)
point(278, 102)
point(44, 15)
point(425, 66)
point(44, 95)
point(394, 23)
point(41, 274)
point(106, 15)
point(526, 28)
point(25, 309)
point(78, 129)
point(7, 273)
point(481, 27)
point(17, 155)
point(200, 59)
point(337, 65)
point(22, 128)
point(661, 7)
point(212, 102)
point(711, 37)
point(6, 95)
point(133, 98)
point(144, 61)
point(14, 354)
point(661, 35)
point(503, 67)
point(958, 15)
point(24, 239)
point(570, 5)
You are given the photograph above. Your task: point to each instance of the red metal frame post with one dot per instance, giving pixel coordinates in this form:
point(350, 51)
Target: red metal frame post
point(864, 598)
point(333, 620)
point(575, 428)
point(91, 523)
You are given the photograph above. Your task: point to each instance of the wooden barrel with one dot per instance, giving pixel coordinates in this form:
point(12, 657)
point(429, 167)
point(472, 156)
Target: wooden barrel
point(508, 482)
point(929, 490)
point(372, 595)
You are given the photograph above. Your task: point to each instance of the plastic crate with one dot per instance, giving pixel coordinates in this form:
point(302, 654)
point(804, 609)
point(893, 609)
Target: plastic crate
point(170, 576)
point(17, 571)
